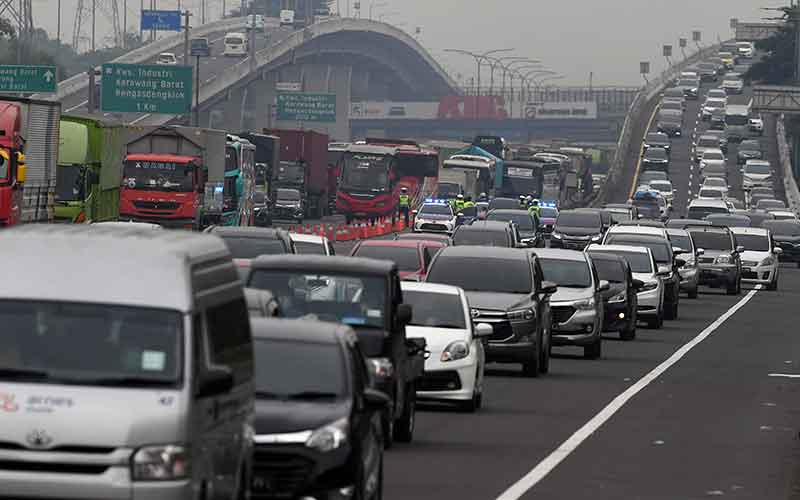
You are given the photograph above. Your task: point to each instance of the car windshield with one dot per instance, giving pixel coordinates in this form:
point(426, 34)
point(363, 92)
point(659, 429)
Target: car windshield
point(710, 193)
point(406, 258)
point(661, 250)
point(90, 344)
point(639, 262)
point(664, 187)
point(609, 270)
point(579, 219)
point(712, 240)
point(682, 241)
point(507, 276)
point(770, 204)
point(656, 154)
point(522, 220)
point(481, 238)
point(757, 168)
point(436, 310)
point(157, 175)
point(782, 228)
point(567, 273)
point(340, 298)
point(713, 155)
point(309, 248)
point(288, 195)
point(750, 146)
point(753, 242)
point(288, 369)
point(435, 209)
point(708, 142)
point(250, 248)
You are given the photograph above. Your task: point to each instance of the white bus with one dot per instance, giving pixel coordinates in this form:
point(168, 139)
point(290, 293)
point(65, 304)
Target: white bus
point(235, 45)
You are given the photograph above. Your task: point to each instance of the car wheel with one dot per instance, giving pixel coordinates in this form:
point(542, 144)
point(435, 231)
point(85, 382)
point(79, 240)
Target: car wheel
point(595, 350)
point(544, 354)
point(404, 430)
point(656, 323)
point(734, 289)
point(531, 368)
point(773, 285)
point(629, 332)
point(387, 424)
point(693, 292)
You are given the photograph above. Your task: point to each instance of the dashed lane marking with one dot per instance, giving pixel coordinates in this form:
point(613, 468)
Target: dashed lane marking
point(543, 468)
point(784, 375)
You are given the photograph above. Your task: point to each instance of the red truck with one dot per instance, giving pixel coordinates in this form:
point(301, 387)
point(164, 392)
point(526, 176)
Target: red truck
point(29, 132)
point(304, 166)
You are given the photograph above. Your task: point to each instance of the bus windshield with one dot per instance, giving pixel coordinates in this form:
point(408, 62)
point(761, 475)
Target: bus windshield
point(366, 172)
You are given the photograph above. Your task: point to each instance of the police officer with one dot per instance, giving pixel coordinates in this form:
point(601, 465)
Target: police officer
point(483, 198)
point(459, 203)
point(535, 208)
point(403, 204)
point(468, 202)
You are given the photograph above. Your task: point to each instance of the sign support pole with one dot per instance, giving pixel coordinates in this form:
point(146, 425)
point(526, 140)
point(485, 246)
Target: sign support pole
point(186, 37)
point(197, 92)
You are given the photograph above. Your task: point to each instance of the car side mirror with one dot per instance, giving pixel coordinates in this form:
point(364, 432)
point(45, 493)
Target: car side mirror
point(483, 330)
point(215, 381)
point(777, 250)
point(739, 249)
point(375, 399)
point(603, 286)
point(404, 314)
point(548, 288)
point(637, 284)
point(700, 251)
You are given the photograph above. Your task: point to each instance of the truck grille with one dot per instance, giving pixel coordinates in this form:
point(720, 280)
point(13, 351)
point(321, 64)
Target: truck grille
point(561, 314)
point(279, 475)
point(156, 205)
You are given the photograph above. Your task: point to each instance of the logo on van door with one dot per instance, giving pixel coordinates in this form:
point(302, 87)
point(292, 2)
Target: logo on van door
point(39, 438)
point(7, 403)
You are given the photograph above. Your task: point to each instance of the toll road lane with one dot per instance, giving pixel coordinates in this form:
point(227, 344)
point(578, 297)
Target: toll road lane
point(466, 456)
point(715, 424)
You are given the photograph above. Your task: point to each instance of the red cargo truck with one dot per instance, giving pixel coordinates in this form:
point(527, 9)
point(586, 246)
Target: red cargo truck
point(304, 166)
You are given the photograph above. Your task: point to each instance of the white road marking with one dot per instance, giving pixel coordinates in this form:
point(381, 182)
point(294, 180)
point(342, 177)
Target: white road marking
point(73, 108)
point(134, 122)
point(565, 449)
point(784, 375)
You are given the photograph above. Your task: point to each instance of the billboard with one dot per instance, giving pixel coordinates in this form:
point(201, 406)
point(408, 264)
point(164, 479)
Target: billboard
point(301, 107)
point(776, 99)
point(387, 110)
point(561, 110)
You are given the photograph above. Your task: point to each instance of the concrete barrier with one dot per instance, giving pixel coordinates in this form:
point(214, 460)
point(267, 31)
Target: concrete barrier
point(785, 159)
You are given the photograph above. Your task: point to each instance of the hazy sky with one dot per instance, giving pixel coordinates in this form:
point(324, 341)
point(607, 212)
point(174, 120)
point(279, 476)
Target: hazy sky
point(573, 38)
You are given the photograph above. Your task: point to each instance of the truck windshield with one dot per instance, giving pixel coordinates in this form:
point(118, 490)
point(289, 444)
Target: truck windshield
point(449, 190)
point(90, 344)
point(352, 300)
point(68, 182)
point(158, 175)
point(364, 172)
point(231, 158)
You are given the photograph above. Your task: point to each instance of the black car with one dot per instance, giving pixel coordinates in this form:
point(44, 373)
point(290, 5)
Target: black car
point(786, 234)
point(486, 233)
point(288, 205)
point(670, 122)
point(657, 140)
point(656, 159)
point(365, 295)
point(621, 298)
point(668, 265)
point(720, 264)
point(318, 421)
point(247, 243)
point(707, 72)
point(757, 217)
point(605, 216)
point(749, 149)
point(504, 204)
point(575, 229)
point(505, 289)
point(530, 231)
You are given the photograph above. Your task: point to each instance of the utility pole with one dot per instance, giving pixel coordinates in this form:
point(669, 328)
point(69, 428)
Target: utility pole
point(124, 24)
point(203, 12)
point(58, 24)
point(94, 22)
point(141, 33)
point(251, 40)
point(186, 27)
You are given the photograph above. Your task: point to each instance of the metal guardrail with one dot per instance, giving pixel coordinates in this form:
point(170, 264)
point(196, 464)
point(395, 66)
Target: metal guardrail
point(785, 158)
point(78, 82)
point(639, 105)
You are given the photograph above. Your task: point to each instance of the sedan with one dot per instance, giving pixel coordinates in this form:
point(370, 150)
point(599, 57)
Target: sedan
point(167, 59)
point(786, 234)
point(656, 159)
point(454, 369)
point(749, 149)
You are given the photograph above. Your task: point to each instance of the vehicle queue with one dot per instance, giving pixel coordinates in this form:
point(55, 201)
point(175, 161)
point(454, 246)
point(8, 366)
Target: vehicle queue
point(262, 364)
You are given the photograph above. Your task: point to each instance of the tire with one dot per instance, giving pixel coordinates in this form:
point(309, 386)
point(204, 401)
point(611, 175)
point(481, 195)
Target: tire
point(734, 290)
point(629, 332)
point(656, 323)
point(693, 293)
point(387, 427)
point(544, 355)
point(531, 368)
point(773, 285)
point(595, 350)
point(404, 428)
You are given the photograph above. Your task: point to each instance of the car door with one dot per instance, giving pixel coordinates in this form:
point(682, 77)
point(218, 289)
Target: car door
point(366, 420)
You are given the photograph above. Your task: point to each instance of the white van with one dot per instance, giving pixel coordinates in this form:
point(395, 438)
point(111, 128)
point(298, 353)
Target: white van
point(287, 17)
point(236, 44)
point(125, 377)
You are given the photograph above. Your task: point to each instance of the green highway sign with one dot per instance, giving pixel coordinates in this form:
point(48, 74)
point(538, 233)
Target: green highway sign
point(28, 78)
point(144, 88)
point(302, 107)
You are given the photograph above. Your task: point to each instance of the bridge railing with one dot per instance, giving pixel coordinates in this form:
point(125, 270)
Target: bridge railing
point(785, 159)
point(631, 132)
point(78, 82)
point(610, 99)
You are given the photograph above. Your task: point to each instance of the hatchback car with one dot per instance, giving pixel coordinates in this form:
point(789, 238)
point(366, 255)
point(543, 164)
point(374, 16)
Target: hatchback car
point(656, 159)
point(756, 173)
point(619, 301)
point(657, 140)
point(167, 58)
point(749, 149)
point(720, 264)
point(486, 233)
point(527, 224)
point(760, 258)
point(454, 369)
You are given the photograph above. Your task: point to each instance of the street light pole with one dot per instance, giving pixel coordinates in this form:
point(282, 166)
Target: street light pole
point(479, 58)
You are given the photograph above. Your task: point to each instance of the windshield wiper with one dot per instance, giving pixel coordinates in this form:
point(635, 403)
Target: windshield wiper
point(126, 381)
point(23, 373)
point(313, 395)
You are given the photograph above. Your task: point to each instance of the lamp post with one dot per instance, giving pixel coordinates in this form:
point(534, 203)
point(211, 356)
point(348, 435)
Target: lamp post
point(506, 67)
point(479, 58)
point(531, 76)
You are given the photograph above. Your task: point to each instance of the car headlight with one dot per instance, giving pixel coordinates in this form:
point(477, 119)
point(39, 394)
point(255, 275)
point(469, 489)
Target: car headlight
point(556, 235)
point(160, 463)
point(329, 437)
point(455, 351)
point(649, 285)
point(723, 259)
point(620, 297)
point(767, 261)
point(382, 367)
point(597, 237)
point(584, 304)
point(520, 315)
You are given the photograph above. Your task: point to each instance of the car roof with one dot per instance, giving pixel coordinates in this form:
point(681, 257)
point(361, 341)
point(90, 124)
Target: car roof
point(305, 331)
point(249, 232)
point(783, 212)
point(643, 230)
point(485, 225)
point(416, 286)
point(685, 222)
point(391, 243)
point(715, 203)
point(558, 253)
point(708, 229)
point(483, 252)
point(677, 231)
point(508, 211)
point(750, 230)
point(617, 249)
point(757, 162)
point(308, 238)
point(324, 264)
point(441, 237)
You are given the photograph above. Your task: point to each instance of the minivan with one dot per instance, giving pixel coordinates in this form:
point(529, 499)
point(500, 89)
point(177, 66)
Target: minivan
point(236, 44)
point(124, 378)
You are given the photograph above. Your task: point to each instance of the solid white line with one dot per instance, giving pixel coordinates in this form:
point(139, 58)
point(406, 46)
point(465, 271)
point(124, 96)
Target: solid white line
point(73, 108)
point(784, 375)
point(134, 122)
point(543, 468)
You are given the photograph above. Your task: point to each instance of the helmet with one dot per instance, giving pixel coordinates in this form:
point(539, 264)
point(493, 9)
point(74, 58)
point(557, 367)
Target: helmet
point(529, 197)
point(522, 197)
point(403, 190)
point(535, 201)
point(482, 195)
point(460, 196)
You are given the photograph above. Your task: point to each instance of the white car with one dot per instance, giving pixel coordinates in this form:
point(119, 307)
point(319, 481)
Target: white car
point(311, 244)
point(435, 216)
point(665, 189)
point(710, 193)
point(756, 125)
point(711, 155)
point(745, 49)
point(167, 59)
point(710, 105)
point(716, 183)
point(717, 94)
point(254, 22)
point(235, 44)
point(287, 17)
point(783, 214)
point(454, 369)
point(760, 257)
point(733, 85)
point(756, 173)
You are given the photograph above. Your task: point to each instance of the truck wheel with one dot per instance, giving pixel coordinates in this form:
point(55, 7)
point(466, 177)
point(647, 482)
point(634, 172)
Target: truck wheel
point(404, 428)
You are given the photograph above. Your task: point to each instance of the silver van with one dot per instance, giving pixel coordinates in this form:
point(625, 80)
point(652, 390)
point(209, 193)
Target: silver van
point(126, 367)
